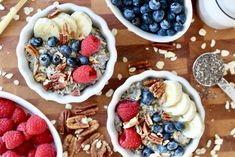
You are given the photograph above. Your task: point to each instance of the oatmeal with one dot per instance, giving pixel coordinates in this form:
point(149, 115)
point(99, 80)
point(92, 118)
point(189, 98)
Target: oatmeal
point(67, 52)
point(155, 117)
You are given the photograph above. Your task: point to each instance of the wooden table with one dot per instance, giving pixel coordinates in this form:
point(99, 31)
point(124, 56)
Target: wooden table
point(218, 120)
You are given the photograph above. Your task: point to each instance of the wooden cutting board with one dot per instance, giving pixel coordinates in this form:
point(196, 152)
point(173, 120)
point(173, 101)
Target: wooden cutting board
point(218, 120)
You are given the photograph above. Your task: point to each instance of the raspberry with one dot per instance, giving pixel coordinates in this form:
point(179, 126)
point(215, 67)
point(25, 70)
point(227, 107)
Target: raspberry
point(45, 150)
point(127, 109)
point(2, 146)
point(129, 139)
point(35, 125)
point(6, 108)
point(90, 45)
point(84, 74)
point(18, 115)
point(13, 139)
point(42, 138)
point(31, 153)
point(10, 153)
point(22, 127)
point(24, 148)
point(5, 125)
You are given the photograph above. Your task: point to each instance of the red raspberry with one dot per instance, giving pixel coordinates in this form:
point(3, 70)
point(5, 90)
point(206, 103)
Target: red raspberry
point(42, 138)
point(31, 153)
point(45, 150)
point(129, 139)
point(84, 74)
point(5, 125)
point(127, 109)
point(6, 108)
point(10, 153)
point(18, 115)
point(22, 127)
point(90, 45)
point(2, 146)
point(24, 148)
point(13, 139)
point(35, 125)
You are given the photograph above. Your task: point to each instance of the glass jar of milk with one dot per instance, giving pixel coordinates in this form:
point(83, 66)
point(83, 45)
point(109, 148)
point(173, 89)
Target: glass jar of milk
point(219, 14)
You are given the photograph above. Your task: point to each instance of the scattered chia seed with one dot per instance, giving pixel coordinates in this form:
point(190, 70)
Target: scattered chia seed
point(208, 69)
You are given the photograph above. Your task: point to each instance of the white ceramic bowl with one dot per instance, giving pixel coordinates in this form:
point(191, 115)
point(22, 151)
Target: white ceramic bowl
point(28, 107)
point(27, 33)
point(151, 36)
point(159, 74)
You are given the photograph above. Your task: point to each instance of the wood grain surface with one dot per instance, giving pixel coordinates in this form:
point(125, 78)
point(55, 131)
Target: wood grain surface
point(218, 120)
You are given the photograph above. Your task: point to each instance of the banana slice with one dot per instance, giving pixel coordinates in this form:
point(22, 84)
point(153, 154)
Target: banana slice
point(84, 23)
point(173, 93)
point(181, 107)
point(71, 24)
point(46, 28)
point(194, 128)
point(188, 116)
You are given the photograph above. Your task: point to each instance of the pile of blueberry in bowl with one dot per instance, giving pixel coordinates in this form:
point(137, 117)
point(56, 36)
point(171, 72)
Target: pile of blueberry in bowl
point(154, 20)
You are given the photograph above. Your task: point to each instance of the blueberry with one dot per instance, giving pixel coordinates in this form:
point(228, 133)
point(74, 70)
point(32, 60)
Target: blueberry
point(83, 60)
point(127, 2)
point(170, 32)
point(136, 10)
point(145, 9)
point(117, 3)
point(45, 59)
point(56, 59)
point(157, 129)
point(147, 151)
point(147, 97)
point(161, 148)
point(162, 32)
point(137, 3)
point(181, 18)
point(154, 27)
point(147, 18)
point(144, 27)
point(154, 4)
point(168, 127)
point(71, 62)
point(166, 136)
point(156, 117)
point(66, 50)
point(158, 15)
point(129, 14)
point(179, 126)
point(136, 21)
point(52, 41)
point(36, 41)
point(179, 151)
point(75, 46)
point(178, 26)
point(165, 24)
point(176, 7)
point(171, 16)
point(172, 145)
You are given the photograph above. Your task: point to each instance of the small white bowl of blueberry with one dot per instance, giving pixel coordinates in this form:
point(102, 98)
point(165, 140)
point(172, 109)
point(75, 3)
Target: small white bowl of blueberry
point(154, 20)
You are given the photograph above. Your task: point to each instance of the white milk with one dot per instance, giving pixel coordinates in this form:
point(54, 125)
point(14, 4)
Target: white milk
point(219, 14)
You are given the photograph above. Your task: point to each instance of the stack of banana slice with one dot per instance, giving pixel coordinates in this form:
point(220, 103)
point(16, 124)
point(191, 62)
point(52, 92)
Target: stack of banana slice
point(179, 105)
point(78, 25)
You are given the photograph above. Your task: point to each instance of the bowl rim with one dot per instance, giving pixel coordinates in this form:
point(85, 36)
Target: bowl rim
point(151, 73)
point(26, 33)
point(151, 36)
point(32, 109)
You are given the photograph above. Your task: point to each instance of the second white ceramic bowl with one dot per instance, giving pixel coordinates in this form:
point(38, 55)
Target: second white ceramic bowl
point(151, 36)
point(28, 107)
point(158, 74)
point(23, 66)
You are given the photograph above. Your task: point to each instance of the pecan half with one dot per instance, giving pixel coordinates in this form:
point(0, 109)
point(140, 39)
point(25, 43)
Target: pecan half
point(57, 76)
point(61, 122)
point(63, 38)
point(146, 130)
point(67, 141)
point(150, 82)
point(76, 122)
point(138, 67)
point(158, 89)
point(167, 46)
point(40, 77)
point(35, 66)
point(72, 145)
point(60, 67)
point(91, 139)
point(148, 120)
point(32, 50)
point(155, 138)
point(94, 125)
point(53, 13)
point(165, 116)
point(88, 109)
